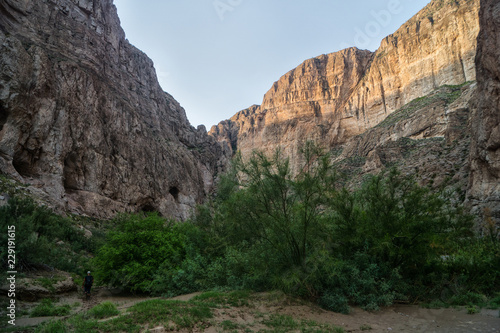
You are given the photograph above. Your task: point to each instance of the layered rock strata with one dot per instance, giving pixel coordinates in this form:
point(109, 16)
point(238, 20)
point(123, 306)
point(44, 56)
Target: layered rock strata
point(84, 120)
point(333, 97)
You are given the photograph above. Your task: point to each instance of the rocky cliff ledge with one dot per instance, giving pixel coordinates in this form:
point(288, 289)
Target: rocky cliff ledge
point(337, 96)
point(83, 119)
point(484, 186)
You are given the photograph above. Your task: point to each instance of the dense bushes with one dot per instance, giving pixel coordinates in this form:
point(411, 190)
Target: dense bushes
point(134, 251)
point(37, 230)
point(266, 229)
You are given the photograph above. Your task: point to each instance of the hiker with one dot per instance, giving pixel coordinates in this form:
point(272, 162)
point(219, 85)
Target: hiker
point(87, 284)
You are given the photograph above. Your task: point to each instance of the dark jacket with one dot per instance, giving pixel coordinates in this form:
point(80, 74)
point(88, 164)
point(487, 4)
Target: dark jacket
point(89, 280)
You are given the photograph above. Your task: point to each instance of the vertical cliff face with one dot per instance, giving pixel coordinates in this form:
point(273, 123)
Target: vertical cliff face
point(434, 48)
point(484, 186)
point(301, 106)
point(84, 120)
point(334, 97)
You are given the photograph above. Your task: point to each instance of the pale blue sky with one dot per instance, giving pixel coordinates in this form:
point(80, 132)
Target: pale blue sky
point(217, 57)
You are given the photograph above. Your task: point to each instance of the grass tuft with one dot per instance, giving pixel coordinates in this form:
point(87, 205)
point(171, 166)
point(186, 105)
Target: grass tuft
point(104, 310)
point(47, 309)
point(53, 326)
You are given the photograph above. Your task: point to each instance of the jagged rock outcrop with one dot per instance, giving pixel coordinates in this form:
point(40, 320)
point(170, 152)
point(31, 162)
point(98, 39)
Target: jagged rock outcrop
point(484, 189)
point(45, 285)
point(84, 120)
point(334, 97)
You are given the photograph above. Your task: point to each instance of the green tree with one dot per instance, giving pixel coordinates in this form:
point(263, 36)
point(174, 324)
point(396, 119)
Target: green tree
point(275, 214)
point(408, 225)
point(393, 233)
point(134, 251)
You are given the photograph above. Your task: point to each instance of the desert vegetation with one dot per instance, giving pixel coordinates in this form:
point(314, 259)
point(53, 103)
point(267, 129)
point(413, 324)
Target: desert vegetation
point(267, 228)
point(273, 228)
point(45, 240)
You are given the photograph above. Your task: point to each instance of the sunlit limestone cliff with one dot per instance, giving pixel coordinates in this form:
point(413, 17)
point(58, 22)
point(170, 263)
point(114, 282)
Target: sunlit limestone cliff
point(334, 97)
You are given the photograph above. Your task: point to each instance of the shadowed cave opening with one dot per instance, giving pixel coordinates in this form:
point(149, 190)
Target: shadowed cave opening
point(148, 208)
point(174, 191)
point(23, 162)
point(3, 116)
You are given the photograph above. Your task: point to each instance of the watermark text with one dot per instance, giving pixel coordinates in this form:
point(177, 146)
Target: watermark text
point(382, 18)
point(11, 274)
point(222, 7)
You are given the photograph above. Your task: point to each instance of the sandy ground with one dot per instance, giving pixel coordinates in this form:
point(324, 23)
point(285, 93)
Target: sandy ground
point(403, 319)
point(398, 318)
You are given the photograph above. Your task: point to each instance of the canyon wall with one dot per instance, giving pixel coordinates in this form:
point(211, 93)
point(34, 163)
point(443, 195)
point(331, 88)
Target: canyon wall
point(484, 186)
point(86, 126)
point(334, 97)
point(83, 120)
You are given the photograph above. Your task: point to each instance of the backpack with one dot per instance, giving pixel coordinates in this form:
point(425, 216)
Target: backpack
point(89, 280)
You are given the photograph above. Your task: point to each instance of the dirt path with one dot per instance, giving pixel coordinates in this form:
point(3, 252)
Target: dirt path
point(99, 296)
point(392, 319)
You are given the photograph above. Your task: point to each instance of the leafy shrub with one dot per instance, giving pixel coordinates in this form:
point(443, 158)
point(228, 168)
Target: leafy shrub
point(398, 232)
point(470, 299)
point(474, 267)
point(134, 251)
point(472, 309)
point(399, 222)
point(362, 281)
point(495, 302)
point(191, 271)
point(335, 302)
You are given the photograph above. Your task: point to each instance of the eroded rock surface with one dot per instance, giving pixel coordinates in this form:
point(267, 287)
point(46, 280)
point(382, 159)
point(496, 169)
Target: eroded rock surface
point(429, 138)
point(84, 120)
point(334, 97)
point(484, 192)
point(45, 284)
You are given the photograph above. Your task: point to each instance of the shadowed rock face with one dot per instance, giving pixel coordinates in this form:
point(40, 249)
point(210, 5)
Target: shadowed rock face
point(484, 191)
point(334, 97)
point(84, 120)
point(429, 138)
